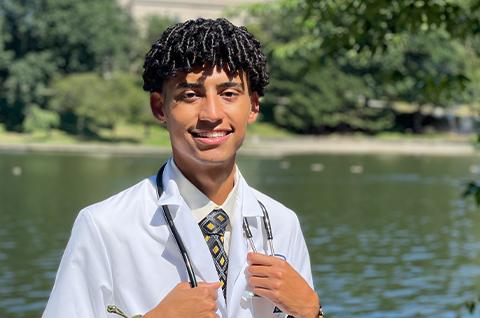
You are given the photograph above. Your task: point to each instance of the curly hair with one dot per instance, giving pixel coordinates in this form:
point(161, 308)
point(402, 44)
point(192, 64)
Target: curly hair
point(201, 42)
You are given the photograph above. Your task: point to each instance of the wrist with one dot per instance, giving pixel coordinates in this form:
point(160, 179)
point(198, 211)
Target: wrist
point(315, 309)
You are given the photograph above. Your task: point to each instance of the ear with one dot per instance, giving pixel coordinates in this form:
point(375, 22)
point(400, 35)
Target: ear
point(157, 106)
point(254, 108)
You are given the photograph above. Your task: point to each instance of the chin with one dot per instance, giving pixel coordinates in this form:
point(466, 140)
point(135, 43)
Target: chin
point(214, 160)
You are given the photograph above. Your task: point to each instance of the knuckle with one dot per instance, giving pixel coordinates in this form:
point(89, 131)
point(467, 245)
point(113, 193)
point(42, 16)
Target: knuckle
point(212, 306)
point(213, 294)
point(277, 285)
point(181, 285)
point(280, 274)
point(276, 297)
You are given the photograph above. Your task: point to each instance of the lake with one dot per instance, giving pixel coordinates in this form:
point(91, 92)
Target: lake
point(389, 236)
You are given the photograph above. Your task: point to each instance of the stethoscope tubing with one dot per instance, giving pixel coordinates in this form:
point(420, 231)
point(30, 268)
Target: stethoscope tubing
point(183, 251)
point(168, 217)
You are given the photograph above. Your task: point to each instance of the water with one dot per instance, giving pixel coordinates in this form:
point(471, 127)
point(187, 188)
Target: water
point(389, 236)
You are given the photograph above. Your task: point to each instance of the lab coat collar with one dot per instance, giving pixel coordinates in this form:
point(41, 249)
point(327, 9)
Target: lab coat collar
point(247, 206)
point(247, 198)
point(170, 194)
point(188, 230)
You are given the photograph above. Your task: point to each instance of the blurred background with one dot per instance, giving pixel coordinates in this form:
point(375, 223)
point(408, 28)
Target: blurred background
point(369, 130)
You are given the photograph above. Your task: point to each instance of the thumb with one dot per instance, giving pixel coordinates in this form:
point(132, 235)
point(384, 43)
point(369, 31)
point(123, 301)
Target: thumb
point(213, 285)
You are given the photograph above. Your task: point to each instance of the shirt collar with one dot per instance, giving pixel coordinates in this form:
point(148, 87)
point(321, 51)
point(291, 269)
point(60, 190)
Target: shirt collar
point(244, 198)
point(198, 202)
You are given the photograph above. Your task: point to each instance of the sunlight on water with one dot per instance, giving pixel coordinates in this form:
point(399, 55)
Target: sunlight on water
point(389, 236)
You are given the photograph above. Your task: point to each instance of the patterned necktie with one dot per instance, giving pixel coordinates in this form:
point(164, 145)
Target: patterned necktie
point(213, 228)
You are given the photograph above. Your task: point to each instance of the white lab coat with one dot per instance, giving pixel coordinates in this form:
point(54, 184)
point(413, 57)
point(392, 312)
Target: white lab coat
point(121, 252)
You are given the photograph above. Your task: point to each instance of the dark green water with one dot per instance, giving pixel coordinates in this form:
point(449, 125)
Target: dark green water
point(393, 240)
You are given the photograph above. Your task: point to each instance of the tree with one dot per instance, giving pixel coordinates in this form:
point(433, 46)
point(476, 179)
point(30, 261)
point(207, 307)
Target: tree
point(323, 99)
point(308, 94)
point(408, 50)
point(41, 38)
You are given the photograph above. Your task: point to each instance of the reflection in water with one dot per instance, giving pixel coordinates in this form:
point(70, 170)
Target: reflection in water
point(389, 238)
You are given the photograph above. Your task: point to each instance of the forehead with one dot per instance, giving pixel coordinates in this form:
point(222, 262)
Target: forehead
point(206, 76)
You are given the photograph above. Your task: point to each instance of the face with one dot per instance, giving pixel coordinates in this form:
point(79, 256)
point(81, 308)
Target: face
point(206, 113)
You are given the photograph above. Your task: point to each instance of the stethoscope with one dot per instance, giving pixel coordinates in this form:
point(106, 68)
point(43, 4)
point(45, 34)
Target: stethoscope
point(181, 246)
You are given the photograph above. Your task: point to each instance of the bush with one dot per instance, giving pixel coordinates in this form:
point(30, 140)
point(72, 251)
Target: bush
point(87, 102)
point(40, 119)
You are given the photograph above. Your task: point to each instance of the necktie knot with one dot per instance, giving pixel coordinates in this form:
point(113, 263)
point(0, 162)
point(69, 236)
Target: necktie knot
point(214, 223)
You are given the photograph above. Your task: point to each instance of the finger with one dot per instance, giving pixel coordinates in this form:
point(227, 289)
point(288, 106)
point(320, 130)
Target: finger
point(209, 290)
point(261, 271)
point(183, 285)
point(266, 283)
point(261, 259)
point(272, 295)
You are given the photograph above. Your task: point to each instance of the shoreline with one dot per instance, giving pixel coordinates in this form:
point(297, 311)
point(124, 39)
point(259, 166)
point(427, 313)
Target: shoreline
point(272, 147)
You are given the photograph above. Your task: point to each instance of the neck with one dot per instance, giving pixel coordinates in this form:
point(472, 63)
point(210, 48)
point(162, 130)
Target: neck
point(215, 181)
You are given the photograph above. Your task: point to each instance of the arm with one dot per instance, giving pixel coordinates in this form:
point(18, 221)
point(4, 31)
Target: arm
point(83, 284)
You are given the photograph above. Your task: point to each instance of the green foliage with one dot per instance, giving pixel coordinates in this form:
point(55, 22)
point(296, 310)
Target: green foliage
point(417, 45)
point(88, 102)
point(25, 86)
point(308, 94)
point(373, 24)
point(130, 97)
point(40, 119)
point(354, 51)
point(323, 100)
point(155, 27)
point(42, 38)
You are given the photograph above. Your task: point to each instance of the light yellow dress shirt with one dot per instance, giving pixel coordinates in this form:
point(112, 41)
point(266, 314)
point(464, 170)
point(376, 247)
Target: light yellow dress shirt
point(201, 205)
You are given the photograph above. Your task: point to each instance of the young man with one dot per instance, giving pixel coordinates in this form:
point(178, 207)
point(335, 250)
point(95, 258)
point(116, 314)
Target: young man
point(205, 78)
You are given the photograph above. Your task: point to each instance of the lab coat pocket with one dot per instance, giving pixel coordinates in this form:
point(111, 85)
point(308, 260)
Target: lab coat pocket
point(264, 308)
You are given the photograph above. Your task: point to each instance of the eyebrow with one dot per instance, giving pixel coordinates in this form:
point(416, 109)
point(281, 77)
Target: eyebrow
point(189, 85)
point(230, 85)
point(185, 85)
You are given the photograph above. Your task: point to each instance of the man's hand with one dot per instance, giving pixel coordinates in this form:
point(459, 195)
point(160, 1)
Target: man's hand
point(274, 279)
point(186, 302)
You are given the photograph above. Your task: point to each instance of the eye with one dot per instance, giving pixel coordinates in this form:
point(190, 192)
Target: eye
point(189, 96)
point(230, 94)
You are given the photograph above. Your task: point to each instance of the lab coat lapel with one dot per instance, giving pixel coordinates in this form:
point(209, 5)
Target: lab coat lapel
point(190, 234)
point(197, 249)
point(247, 206)
point(195, 244)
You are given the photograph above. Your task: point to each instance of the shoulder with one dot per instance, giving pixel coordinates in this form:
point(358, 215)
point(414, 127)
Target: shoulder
point(123, 206)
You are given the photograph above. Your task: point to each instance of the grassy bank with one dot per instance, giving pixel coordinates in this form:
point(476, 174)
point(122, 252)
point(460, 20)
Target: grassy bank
point(123, 134)
point(263, 139)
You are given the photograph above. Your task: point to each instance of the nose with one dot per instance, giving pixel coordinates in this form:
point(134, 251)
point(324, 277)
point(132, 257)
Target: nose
point(211, 109)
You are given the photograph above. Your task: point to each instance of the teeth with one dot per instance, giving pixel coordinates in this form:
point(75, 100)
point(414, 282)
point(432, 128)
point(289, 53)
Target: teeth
point(213, 134)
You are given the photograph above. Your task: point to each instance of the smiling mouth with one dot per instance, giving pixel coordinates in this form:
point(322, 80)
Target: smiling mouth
point(210, 134)
point(211, 138)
